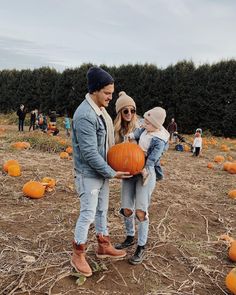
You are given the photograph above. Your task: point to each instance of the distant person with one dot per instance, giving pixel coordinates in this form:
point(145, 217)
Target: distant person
point(67, 125)
point(172, 128)
point(21, 113)
point(32, 120)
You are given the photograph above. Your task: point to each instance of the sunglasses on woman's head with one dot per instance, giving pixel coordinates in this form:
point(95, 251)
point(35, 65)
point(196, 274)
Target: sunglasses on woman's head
point(126, 111)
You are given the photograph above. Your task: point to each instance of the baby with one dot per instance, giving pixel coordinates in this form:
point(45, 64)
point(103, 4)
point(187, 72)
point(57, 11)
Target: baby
point(153, 139)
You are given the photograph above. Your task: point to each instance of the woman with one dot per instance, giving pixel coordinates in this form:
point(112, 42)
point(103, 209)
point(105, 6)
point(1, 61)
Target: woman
point(136, 193)
point(125, 122)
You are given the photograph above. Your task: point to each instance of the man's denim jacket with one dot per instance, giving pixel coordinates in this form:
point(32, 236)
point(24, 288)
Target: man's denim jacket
point(89, 141)
point(156, 148)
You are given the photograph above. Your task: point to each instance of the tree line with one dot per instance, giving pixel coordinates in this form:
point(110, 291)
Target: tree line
point(203, 96)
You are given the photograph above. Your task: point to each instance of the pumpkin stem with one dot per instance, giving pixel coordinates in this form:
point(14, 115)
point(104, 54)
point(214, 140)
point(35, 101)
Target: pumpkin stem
point(226, 238)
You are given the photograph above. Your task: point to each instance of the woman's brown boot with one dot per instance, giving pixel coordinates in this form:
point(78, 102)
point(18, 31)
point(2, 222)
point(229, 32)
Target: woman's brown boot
point(78, 260)
point(105, 248)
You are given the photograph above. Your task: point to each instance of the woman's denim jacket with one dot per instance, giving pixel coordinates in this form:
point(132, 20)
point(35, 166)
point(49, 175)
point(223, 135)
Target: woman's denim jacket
point(89, 142)
point(156, 148)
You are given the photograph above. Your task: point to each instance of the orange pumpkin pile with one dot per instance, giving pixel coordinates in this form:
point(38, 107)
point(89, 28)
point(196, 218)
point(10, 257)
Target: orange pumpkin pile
point(126, 157)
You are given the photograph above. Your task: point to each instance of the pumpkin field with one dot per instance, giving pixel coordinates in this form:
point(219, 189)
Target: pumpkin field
point(192, 223)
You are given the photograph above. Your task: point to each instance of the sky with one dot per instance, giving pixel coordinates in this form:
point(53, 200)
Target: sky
point(67, 33)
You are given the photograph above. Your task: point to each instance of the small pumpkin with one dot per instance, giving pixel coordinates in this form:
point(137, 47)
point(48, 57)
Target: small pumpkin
point(34, 189)
point(64, 155)
point(126, 157)
point(226, 166)
point(219, 159)
point(14, 170)
point(230, 281)
point(210, 165)
point(69, 150)
point(8, 163)
point(232, 251)
point(48, 182)
point(232, 168)
point(20, 145)
point(229, 158)
point(232, 194)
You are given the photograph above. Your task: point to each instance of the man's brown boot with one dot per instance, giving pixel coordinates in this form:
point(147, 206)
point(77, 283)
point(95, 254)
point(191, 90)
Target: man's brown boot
point(105, 248)
point(78, 260)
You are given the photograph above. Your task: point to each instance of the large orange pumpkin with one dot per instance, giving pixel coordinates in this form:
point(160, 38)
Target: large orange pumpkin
point(126, 157)
point(34, 189)
point(230, 281)
point(9, 163)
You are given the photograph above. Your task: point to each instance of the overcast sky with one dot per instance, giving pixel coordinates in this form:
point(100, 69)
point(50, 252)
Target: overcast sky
point(68, 33)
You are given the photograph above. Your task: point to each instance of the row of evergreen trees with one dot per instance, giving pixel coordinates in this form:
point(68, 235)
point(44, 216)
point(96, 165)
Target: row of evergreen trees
point(203, 96)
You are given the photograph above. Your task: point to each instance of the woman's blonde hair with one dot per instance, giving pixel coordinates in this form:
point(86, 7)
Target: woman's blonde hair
point(123, 128)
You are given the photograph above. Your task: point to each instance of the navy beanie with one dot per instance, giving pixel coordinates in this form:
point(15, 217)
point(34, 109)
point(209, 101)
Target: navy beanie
point(97, 79)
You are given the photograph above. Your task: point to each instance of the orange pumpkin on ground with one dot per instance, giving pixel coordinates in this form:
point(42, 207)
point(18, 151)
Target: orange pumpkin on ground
point(210, 165)
point(48, 182)
point(20, 145)
point(232, 168)
point(14, 170)
point(126, 157)
point(232, 194)
point(232, 246)
point(69, 150)
point(226, 166)
point(232, 251)
point(8, 163)
point(64, 155)
point(219, 159)
point(34, 189)
point(230, 281)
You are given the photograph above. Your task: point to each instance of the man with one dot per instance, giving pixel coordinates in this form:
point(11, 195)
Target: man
point(21, 113)
point(172, 128)
point(92, 135)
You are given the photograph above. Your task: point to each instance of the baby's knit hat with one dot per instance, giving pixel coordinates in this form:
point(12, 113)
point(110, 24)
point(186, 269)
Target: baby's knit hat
point(97, 79)
point(156, 116)
point(124, 101)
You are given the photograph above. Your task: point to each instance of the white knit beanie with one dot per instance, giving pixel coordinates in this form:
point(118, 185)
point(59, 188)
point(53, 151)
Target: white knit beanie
point(156, 116)
point(124, 101)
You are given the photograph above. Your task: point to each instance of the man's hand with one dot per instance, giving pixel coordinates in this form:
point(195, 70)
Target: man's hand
point(120, 174)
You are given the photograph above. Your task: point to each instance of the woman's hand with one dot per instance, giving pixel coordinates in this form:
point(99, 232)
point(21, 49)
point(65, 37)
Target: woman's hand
point(121, 174)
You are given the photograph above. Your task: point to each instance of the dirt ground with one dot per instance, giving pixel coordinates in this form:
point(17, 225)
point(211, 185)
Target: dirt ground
point(190, 209)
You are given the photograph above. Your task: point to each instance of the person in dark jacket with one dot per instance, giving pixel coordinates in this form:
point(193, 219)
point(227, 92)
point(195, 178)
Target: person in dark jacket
point(172, 128)
point(32, 119)
point(21, 113)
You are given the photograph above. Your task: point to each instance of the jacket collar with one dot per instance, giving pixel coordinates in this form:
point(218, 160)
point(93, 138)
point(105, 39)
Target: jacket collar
point(93, 105)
